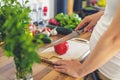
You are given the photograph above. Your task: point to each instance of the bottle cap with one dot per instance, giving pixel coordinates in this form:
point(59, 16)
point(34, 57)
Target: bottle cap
point(45, 9)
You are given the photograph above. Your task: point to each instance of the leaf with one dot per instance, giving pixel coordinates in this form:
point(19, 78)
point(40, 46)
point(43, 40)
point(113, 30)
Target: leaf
point(13, 22)
point(68, 21)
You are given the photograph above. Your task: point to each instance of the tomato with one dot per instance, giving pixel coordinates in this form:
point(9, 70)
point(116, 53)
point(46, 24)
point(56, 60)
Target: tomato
point(61, 48)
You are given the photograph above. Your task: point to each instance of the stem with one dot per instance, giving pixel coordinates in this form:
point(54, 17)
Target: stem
point(24, 73)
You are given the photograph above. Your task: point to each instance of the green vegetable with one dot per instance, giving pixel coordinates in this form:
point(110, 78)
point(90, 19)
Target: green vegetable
point(64, 31)
point(68, 21)
point(46, 40)
point(41, 38)
point(51, 26)
point(61, 30)
point(59, 16)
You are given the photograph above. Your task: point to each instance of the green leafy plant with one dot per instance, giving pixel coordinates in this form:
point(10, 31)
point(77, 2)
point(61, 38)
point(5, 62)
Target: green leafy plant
point(68, 21)
point(13, 22)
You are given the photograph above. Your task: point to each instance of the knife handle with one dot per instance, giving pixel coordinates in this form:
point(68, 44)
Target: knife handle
point(80, 30)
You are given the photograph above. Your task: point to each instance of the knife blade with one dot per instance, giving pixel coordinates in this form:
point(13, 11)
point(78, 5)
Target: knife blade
point(65, 38)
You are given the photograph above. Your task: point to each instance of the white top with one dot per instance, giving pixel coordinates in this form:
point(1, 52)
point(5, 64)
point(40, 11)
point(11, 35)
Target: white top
point(112, 68)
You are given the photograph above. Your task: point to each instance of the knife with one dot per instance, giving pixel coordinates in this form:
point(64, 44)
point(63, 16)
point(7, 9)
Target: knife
point(65, 38)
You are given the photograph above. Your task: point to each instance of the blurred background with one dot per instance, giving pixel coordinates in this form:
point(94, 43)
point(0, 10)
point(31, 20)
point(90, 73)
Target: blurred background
point(81, 7)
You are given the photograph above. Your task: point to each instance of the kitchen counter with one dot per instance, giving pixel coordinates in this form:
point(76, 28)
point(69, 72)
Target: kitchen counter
point(41, 71)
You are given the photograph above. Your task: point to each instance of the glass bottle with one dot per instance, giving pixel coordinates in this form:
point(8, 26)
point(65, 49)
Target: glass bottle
point(34, 14)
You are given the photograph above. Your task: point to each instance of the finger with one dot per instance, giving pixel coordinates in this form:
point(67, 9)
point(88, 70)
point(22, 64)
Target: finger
point(60, 62)
point(82, 23)
point(61, 70)
point(91, 29)
point(73, 59)
point(88, 27)
point(59, 67)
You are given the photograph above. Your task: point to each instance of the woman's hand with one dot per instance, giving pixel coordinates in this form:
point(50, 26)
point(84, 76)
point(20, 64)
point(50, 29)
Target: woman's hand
point(70, 67)
point(90, 21)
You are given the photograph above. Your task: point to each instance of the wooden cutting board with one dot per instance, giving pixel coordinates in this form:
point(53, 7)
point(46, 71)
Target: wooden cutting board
point(77, 49)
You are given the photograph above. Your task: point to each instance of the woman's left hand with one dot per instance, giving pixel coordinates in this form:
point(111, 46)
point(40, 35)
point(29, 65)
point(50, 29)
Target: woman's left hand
point(70, 67)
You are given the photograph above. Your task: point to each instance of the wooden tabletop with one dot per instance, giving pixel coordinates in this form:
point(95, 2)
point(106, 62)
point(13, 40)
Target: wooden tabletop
point(41, 71)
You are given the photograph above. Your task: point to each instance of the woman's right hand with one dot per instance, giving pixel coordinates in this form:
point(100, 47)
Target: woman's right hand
point(90, 21)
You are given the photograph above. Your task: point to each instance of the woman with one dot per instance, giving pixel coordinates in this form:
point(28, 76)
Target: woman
point(104, 45)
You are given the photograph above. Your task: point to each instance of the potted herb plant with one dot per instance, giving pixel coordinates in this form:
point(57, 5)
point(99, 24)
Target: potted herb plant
point(18, 43)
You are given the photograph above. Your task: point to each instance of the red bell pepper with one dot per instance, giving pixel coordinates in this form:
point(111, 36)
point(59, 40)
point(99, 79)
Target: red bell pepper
point(61, 48)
